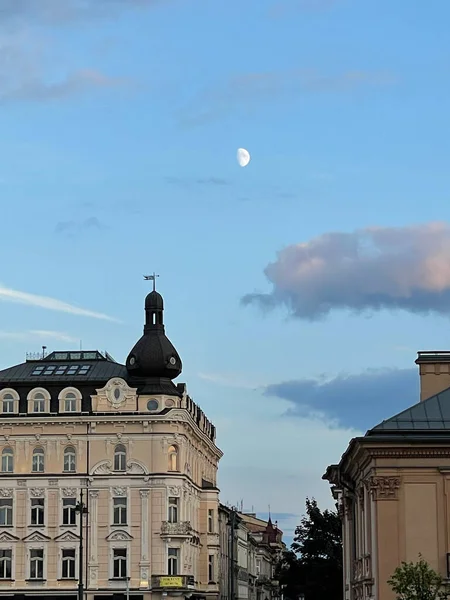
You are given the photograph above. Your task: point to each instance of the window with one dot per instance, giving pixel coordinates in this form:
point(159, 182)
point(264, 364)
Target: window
point(7, 460)
point(70, 402)
point(69, 514)
point(120, 511)
point(120, 458)
point(8, 403)
point(173, 555)
point(37, 511)
point(68, 564)
point(36, 564)
point(69, 459)
point(6, 512)
point(173, 510)
point(38, 460)
point(173, 458)
point(210, 520)
point(38, 405)
point(211, 568)
point(120, 563)
point(258, 567)
point(5, 564)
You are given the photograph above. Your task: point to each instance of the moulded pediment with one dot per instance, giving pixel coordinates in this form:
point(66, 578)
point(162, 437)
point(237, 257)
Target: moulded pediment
point(36, 536)
point(119, 536)
point(116, 395)
point(5, 536)
point(134, 467)
point(67, 536)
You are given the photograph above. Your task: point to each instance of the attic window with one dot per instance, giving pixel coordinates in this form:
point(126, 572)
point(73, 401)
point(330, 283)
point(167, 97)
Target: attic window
point(38, 370)
point(61, 370)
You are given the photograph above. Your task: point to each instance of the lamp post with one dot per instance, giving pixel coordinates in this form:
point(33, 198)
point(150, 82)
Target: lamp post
point(128, 588)
point(82, 510)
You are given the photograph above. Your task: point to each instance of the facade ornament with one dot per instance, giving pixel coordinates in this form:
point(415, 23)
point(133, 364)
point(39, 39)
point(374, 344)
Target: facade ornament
point(135, 468)
point(53, 482)
point(93, 493)
point(144, 493)
point(22, 483)
point(174, 490)
point(119, 491)
point(384, 488)
point(37, 492)
point(69, 491)
point(102, 468)
point(361, 496)
point(119, 536)
point(6, 492)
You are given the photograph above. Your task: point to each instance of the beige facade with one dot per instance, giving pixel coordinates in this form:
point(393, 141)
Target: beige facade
point(146, 463)
point(392, 486)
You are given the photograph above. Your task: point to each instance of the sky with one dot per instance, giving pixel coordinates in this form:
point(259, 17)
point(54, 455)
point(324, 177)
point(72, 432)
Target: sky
point(298, 289)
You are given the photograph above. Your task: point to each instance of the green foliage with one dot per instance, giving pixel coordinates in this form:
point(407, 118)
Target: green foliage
point(313, 566)
point(418, 581)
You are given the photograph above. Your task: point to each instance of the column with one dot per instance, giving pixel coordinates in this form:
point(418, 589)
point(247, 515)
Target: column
point(144, 563)
point(93, 555)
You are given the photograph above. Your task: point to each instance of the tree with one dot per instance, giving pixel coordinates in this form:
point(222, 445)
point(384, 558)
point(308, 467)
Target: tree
point(313, 566)
point(418, 581)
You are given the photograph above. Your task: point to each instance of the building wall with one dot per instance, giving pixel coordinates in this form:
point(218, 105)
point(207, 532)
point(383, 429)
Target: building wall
point(147, 484)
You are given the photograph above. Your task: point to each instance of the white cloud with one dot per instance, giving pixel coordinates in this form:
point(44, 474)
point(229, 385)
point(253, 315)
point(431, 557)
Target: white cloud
point(48, 303)
point(37, 334)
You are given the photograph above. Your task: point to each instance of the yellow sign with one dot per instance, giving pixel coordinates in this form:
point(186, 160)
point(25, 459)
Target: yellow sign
point(171, 581)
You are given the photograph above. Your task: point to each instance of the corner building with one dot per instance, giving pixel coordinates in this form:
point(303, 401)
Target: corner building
point(137, 451)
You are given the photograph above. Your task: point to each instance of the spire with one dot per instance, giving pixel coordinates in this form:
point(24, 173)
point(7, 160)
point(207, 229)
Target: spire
point(154, 308)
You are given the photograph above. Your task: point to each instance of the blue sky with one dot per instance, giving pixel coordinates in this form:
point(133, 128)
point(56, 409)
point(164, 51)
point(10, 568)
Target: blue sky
point(119, 126)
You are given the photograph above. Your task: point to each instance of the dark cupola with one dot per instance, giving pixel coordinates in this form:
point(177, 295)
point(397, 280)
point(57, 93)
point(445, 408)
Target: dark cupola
point(154, 360)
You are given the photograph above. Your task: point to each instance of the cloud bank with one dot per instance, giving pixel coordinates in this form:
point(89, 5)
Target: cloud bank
point(358, 401)
point(371, 269)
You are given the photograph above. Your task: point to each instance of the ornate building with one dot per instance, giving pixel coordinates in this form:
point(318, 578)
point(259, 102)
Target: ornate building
point(392, 487)
point(138, 450)
point(249, 551)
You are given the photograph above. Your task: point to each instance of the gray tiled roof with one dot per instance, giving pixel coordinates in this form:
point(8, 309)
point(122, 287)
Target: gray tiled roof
point(431, 414)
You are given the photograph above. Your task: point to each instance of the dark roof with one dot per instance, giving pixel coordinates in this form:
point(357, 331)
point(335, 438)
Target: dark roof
point(65, 366)
point(431, 414)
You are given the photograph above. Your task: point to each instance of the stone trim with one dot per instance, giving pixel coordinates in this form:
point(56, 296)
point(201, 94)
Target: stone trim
point(384, 487)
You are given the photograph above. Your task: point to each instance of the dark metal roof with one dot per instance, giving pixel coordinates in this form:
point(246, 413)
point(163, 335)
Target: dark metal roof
point(431, 414)
point(63, 367)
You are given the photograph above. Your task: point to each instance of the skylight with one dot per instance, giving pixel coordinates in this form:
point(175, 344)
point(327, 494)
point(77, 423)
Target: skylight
point(60, 370)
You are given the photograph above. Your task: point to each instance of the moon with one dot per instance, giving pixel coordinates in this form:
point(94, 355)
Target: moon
point(243, 157)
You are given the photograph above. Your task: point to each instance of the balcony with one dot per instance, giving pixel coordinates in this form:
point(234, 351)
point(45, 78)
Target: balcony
point(173, 582)
point(181, 529)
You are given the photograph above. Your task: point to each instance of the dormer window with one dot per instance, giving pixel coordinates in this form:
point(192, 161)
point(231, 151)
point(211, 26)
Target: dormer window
point(9, 401)
point(70, 400)
point(38, 401)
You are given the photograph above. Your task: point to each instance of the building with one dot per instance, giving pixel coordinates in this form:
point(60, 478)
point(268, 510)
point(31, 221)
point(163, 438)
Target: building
point(81, 432)
point(249, 552)
point(392, 486)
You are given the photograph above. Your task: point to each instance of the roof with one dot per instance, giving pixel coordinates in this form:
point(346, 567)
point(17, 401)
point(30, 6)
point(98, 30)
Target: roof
point(83, 366)
point(432, 414)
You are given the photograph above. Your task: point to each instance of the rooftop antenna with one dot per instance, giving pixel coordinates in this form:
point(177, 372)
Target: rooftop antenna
point(152, 278)
point(44, 348)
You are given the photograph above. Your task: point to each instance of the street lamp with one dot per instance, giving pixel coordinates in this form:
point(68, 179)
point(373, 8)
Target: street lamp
point(82, 510)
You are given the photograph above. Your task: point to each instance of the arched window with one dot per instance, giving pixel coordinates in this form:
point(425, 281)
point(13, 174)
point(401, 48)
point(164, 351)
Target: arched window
point(173, 458)
point(38, 460)
point(8, 403)
point(38, 402)
point(70, 459)
point(7, 460)
point(70, 402)
point(120, 458)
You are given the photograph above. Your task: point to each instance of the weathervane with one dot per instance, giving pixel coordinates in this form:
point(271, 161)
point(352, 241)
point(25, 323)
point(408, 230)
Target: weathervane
point(152, 278)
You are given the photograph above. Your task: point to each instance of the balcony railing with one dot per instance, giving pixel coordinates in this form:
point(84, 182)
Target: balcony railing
point(173, 582)
point(183, 528)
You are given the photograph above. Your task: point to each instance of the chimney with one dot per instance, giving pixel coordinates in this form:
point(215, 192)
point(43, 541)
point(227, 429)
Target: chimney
point(434, 370)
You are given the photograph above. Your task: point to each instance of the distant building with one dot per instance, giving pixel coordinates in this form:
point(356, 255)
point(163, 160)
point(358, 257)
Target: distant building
point(249, 552)
point(144, 456)
point(392, 486)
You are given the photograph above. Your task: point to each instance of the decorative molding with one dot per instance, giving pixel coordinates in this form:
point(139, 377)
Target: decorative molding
point(135, 467)
point(67, 536)
point(117, 392)
point(36, 536)
point(53, 482)
point(174, 490)
point(6, 492)
point(22, 483)
point(144, 493)
point(119, 536)
point(69, 491)
point(384, 487)
point(102, 468)
point(93, 493)
point(5, 536)
point(409, 452)
point(37, 492)
point(119, 491)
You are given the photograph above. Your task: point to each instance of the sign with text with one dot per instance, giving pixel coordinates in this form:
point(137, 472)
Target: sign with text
point(171, 581)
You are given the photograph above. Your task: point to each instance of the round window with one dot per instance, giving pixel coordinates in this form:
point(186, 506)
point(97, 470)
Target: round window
point(117, 393)
point(152, 405)
point(170, 403)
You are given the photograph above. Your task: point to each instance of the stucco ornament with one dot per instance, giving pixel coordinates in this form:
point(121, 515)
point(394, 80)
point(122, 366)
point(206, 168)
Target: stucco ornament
point(37, 492)
point(69, 491)
point(384, 488)
point(6, 492)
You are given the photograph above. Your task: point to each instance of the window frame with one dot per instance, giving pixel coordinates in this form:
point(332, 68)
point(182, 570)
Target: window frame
point(70, 451)
point(173, 507)
point(75, 396)
point(7, 452)
point(31, 399)
point(211, 568)
point(4, 560)
point(119, 559)
point(15, 401)
point(120, 454)
point(7, 506)
point(210, 520)
point(38, 451)
point(173, 557)
point(38, 560)
point(37, 512)
point(65, 560)
point(121, 510)
point(69, 509)
point(173, 458)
